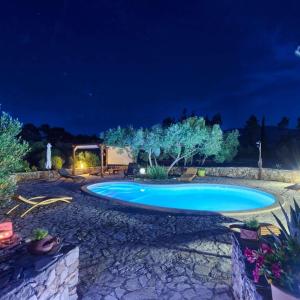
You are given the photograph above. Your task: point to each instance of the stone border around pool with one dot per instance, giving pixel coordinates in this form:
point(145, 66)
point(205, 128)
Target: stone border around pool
point(114, 201)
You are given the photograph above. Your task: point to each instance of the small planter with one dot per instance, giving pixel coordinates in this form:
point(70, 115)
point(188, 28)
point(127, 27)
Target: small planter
point(279, 294)
point(248, 234)
point(44, 246)
point(201, 172)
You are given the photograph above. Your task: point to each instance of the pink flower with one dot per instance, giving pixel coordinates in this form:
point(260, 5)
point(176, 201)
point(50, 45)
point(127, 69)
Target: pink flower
point(256, 274)
point(260, 261)
point(276, 270)
point(250, 255)
point(265, 248)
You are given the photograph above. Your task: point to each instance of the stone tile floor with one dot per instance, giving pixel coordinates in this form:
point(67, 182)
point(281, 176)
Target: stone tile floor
point(133, 254)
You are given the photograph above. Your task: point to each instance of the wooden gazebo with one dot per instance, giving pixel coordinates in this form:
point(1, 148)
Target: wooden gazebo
point(101, 147)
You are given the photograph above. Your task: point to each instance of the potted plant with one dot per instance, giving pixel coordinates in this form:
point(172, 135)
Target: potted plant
point(249, 230)
point(279, 261)
point(42, 242)
point(201, 172)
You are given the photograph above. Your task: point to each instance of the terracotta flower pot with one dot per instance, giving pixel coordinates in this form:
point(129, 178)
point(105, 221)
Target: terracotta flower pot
point(6, 230)
point(279, 294)
point(248, 234)
point(40, 247)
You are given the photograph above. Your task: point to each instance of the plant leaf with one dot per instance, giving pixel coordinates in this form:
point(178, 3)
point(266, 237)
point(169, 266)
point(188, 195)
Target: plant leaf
point(281, 226)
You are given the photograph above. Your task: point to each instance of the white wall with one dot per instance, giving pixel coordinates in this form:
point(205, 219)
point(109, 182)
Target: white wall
point(118, 156)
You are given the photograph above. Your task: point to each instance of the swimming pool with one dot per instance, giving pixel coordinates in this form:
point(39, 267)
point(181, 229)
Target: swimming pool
point(185, 197)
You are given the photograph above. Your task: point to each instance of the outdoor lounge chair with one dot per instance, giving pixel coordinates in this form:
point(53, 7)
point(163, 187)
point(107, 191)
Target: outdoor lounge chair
point(132, 170)
point(294, 187)
point(188, 175)
point(67, 175)
point(36, 202)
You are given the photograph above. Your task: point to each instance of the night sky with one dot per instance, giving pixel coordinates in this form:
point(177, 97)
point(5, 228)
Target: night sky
point(89, 65)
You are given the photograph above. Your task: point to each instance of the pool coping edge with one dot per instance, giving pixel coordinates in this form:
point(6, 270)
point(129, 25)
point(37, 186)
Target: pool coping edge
point(114, 201)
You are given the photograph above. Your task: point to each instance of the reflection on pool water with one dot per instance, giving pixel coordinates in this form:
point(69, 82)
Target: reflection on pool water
point(197, 197)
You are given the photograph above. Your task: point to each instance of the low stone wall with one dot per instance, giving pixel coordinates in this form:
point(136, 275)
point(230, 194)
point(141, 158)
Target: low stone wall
point(243, 288)
point(58, 281)
point(289, 176)
point(35, 175)
point(40, 175)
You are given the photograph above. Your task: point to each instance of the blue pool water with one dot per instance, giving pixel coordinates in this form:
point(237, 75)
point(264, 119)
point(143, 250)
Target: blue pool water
point(198, 197)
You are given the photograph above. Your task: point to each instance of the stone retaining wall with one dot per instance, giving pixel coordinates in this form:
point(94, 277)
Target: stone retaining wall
point(35, 175)
point(39, 175)
point(243, 287)
point(58, 281)
point(291, 176)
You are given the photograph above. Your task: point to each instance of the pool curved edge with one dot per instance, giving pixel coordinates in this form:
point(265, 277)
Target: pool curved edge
point(115, 201)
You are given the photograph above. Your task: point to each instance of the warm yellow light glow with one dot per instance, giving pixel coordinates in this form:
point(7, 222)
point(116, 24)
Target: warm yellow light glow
point(81, 165)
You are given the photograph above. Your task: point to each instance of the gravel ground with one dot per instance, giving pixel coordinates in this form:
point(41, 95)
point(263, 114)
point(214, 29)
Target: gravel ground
point(134, 254)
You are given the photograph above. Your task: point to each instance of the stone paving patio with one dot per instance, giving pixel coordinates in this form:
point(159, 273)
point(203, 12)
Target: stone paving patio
point(134, 254)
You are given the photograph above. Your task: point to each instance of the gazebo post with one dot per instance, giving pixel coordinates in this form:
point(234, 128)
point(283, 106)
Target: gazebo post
point(101, 150)
point(74, 157)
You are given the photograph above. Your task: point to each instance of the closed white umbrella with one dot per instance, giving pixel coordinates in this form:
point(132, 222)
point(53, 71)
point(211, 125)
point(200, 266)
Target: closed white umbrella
point(48, 157)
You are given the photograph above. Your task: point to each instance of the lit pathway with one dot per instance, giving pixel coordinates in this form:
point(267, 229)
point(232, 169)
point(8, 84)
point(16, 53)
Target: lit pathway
point(129, 254)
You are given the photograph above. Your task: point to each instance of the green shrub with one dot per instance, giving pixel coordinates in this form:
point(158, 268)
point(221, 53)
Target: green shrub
point(252, 224)
point(92, 159)
point(201, 172)
point(89, 159)
point(25, 166)
point(57, 162)
point(34, 168)
point(57, 159)
point(12, 152)
point(39, 234)
point(157, 172)
point(42, 164)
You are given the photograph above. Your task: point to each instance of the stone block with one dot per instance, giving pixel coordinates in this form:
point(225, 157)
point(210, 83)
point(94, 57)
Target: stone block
point(55, 283)
point(72, 257)
point(73, 267)
point(50, 278)
point(72, 280)
point(63, 276)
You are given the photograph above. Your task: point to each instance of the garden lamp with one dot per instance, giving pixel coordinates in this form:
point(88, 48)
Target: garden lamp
point(258, 144)
point(142, 171)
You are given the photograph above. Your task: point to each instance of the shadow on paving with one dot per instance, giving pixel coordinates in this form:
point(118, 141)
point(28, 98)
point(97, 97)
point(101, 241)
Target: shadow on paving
point(166, 255)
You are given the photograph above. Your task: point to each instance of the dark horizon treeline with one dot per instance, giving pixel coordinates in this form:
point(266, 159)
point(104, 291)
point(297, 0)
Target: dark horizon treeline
point(61, 140)
point(284, 122)
point(280, 144)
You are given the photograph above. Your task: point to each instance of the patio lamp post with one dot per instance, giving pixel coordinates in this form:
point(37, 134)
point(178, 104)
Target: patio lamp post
point(258, 144)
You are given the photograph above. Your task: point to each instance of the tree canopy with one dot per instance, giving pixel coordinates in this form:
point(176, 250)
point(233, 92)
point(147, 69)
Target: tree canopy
point(284, 122)
point(179, 141)
point(12, 152)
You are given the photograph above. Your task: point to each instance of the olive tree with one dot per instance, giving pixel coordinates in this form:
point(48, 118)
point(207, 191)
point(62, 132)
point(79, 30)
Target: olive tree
point(185, 139)
point(180, 141)
point(12, 152)
point(129, 139)
point(153, 139)
point(229, 147)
